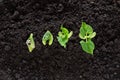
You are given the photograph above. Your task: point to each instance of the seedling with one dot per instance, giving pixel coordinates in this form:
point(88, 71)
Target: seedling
point(63, 36)
point(48, 37)
point(86, 34)
point(30, 43)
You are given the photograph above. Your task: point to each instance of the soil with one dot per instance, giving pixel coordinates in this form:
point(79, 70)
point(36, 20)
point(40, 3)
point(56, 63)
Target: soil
point(18, 18)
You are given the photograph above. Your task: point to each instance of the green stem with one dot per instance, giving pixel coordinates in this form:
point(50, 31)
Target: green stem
point(86, 37)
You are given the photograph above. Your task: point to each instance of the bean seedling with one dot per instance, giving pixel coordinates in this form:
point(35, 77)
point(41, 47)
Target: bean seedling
point(86, 34)
point(48, 37)
point(63, 36)
point(30, 43)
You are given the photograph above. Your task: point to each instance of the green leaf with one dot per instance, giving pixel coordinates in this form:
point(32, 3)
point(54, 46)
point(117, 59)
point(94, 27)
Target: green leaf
point(88, 46)
point(85, 30)
point(80, 35)
point(64, 30)
point(48, 37)
point(30, 43)
point(60, 34)
point(62, 42)
point(89, 29)
point(92, 35)
point(70, 34)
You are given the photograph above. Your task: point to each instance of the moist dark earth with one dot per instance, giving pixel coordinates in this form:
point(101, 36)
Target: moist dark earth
point(19, 18)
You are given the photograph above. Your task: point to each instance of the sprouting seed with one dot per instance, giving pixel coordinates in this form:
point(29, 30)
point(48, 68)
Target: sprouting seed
point(47, 38)
point(30, 43)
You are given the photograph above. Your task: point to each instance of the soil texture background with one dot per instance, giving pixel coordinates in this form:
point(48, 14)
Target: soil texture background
point(18, 18)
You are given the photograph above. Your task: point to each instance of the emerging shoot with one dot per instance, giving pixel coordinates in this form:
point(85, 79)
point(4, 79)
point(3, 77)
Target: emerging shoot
point(86, 33)
point(63, 36)
point(30, 43)
point(48, 37)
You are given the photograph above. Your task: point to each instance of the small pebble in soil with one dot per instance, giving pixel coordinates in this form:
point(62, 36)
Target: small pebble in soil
point(117, 66)
point(15, 15)
point(80, 76)
point(7, 48)
point(24, 61)
point(96, 51)
point(40, 61)
point(111, 43)
point(115, 73)
point(60, 8)
point(103, 48)
point(106, 76)
point(17, 75)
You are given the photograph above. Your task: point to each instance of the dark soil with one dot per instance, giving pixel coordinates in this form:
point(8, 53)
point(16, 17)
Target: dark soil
point(18, 18)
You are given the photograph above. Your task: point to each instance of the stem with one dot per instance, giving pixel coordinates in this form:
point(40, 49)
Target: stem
point(86, 37)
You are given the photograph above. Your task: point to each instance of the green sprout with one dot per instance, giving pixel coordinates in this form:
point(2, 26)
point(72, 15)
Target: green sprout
point(63, 36)
point(86, 33)
point(30, 43)
point(48, 37)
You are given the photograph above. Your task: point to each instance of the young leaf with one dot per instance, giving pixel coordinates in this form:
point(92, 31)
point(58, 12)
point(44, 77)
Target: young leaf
point(89, 29)
point(82, 31)
point(85, 30)
point(88, 46)
point(63, 36)
point(30, 43)
point(64, 30)
point(62, 42)
point(81, 36)
point(70, 34)
point(48, 37)
point(92, 35)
